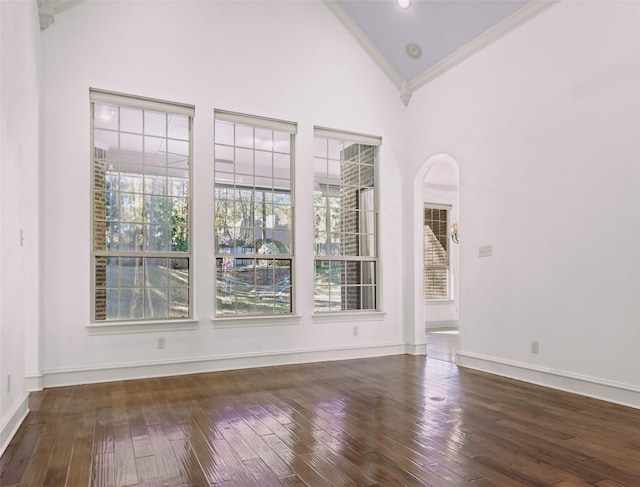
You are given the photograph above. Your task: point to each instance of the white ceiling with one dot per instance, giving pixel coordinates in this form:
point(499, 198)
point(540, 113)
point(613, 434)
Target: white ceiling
point(447, 31)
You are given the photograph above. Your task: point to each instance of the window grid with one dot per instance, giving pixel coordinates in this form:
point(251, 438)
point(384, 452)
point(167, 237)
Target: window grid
point(436, 252)
point(253, 206)
point(345, 225)
point(141, 220)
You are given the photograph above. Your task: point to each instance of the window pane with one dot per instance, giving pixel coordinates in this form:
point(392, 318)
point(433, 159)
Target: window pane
point(153, 184)
point(141, 203)
point(112, 305)
point(264, 164)
point(179, 127)
point(179, 302)
point(368, 297)
point(132, 181)
point(113, 272)
point(253, 286)
point(252, 220)
point(224, 133)
point(224, 158)
point(334, 149)
point(156, 272)
point(156, 237)
point(320, 147)
point(131, 148)
point(155, 151)
point(106, 144)
point(436, 253)
point(131, 120)
point(130, 304)
point(178, 273)
point(282, 142)
point(155, 303)
point(105, 116)
point(244, 136)
point(264, 139)
point(155, 123)
point(344, 221)
point(435, 283)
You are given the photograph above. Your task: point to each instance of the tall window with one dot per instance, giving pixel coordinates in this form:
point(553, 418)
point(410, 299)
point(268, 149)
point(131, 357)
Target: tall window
point(345, 221)
point(436, 252)
point(141, 169)
point(253, 208)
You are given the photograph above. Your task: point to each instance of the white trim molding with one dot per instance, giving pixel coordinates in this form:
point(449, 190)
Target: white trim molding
point(266, 320)
point(441, 325)
point(365, 43)
point(348, 317)
point(606, 390)
point(12, 420)
point(124, 327)
point(33, 382)
point(408, 87)
point(415, 348)
point(143, 370)
point(48, 9)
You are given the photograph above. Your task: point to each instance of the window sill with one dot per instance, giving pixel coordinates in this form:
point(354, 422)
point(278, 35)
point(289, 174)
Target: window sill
point(439, 301)
point(124, 327)
point(349, 316)
point(243, 321)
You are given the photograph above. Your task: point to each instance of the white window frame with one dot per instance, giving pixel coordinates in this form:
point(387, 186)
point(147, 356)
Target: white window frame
point(272, 292)
point(118, 100)
point(342, 259)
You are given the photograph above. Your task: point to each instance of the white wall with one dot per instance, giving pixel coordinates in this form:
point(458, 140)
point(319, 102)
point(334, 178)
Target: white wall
point(545, 125)
point(19, 141)
point(288, 60)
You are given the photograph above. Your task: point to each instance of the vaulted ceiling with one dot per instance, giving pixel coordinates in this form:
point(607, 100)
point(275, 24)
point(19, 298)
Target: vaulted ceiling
point(413, 45)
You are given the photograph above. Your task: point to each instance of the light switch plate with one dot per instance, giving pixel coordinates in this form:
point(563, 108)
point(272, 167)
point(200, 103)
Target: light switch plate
point(485, 251)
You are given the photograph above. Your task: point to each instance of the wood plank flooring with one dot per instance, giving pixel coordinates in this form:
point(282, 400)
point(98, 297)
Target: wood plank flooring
point(391, 421)
point(442, 344)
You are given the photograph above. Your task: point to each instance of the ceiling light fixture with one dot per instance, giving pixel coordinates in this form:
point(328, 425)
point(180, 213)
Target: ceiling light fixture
point(414, 50)
point(404, 3)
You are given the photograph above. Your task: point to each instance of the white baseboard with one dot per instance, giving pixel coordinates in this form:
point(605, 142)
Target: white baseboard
point(143, 370)
point(615, 392)
point(12, 420)
point(440, 325)
point(33, 382)
point(415, 348)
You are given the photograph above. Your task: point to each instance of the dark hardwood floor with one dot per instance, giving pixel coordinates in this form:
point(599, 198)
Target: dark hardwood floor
point(442, 344)
point(391, 421)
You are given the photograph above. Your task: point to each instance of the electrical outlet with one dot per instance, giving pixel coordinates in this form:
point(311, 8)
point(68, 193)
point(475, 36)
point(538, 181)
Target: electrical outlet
point(534, 347)
point(355, 331)
point(160, 342)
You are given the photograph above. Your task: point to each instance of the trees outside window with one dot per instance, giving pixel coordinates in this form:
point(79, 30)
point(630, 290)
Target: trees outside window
point(141, 168)
point(345, 221)
point(253, 207)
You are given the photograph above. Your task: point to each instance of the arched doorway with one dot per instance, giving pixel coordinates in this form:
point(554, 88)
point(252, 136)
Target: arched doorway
point(436, 271)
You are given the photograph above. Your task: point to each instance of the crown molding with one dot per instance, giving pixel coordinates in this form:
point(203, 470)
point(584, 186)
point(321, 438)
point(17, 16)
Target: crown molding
point(48, 9)
point(405, 87)
point(62, 5)
point(364, 42)
point(46, 13)
point(518, 18)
